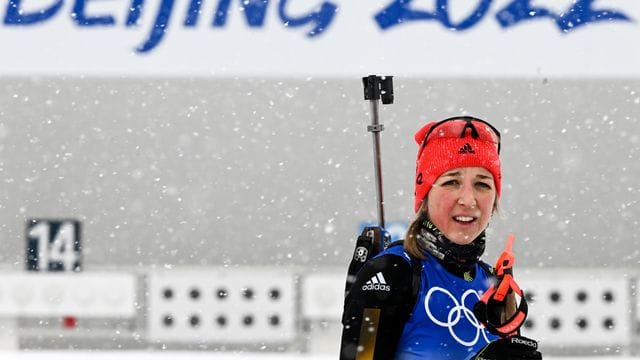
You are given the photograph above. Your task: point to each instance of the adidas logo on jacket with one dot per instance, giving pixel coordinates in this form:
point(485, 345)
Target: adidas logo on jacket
point(377, 282)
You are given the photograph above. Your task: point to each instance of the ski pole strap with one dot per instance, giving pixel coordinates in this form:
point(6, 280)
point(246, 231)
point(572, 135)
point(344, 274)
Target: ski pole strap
point(493, 304)
point(504, 265)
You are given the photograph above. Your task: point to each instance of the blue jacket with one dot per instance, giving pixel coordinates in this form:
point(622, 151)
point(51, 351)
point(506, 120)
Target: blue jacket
point(442, 324)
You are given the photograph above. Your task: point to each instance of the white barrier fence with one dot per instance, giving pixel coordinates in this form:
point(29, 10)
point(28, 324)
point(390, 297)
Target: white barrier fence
point(578, 308)
point(254, 307)
point(111, 294)
point(222, 306)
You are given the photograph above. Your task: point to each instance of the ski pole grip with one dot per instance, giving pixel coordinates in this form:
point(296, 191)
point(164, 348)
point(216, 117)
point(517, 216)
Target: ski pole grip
point(505, 262)
point(371, 85)
point(375, 88)
point(378, 88)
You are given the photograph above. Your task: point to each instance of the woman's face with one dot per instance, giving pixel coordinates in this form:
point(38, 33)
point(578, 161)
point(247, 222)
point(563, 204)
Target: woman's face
point(461, 202)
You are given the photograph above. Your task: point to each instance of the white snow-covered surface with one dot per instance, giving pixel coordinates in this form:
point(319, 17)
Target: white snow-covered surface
point(191, 355)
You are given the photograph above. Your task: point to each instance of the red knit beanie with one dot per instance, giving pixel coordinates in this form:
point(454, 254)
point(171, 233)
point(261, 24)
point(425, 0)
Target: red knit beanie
point(453, 143)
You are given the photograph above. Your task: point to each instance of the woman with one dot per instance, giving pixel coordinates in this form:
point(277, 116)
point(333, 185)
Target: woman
point(416, 301)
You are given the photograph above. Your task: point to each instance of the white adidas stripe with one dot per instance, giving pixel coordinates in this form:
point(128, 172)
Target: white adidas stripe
point(377, 279)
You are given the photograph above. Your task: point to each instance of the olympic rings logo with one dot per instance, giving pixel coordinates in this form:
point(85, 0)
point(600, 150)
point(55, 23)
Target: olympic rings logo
point(457, 313)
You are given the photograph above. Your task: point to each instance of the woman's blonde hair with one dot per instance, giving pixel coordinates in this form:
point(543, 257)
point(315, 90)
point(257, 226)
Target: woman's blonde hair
point(411, 244)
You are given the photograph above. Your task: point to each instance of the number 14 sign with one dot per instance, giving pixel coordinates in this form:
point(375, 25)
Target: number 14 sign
point(53, 245)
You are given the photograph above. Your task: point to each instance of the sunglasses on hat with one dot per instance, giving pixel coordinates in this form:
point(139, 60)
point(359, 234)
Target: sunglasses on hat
point(459, 126)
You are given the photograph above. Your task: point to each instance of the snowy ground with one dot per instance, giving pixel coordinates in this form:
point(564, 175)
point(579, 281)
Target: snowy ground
point(189, 355)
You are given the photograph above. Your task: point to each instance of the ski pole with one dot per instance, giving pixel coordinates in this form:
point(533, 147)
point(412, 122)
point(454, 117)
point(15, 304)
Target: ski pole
point(377, 88)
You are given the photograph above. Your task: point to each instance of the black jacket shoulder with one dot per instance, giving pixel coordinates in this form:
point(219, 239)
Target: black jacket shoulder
point(383, 291)
point(388, 269)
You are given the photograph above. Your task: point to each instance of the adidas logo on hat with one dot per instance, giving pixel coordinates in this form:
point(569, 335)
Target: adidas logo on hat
point(466, 149)
point(377, 282)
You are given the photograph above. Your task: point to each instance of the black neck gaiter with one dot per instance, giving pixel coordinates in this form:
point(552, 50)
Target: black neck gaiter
point(456, 258)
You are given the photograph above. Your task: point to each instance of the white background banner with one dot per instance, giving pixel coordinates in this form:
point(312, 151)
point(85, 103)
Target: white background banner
point(506, 38)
